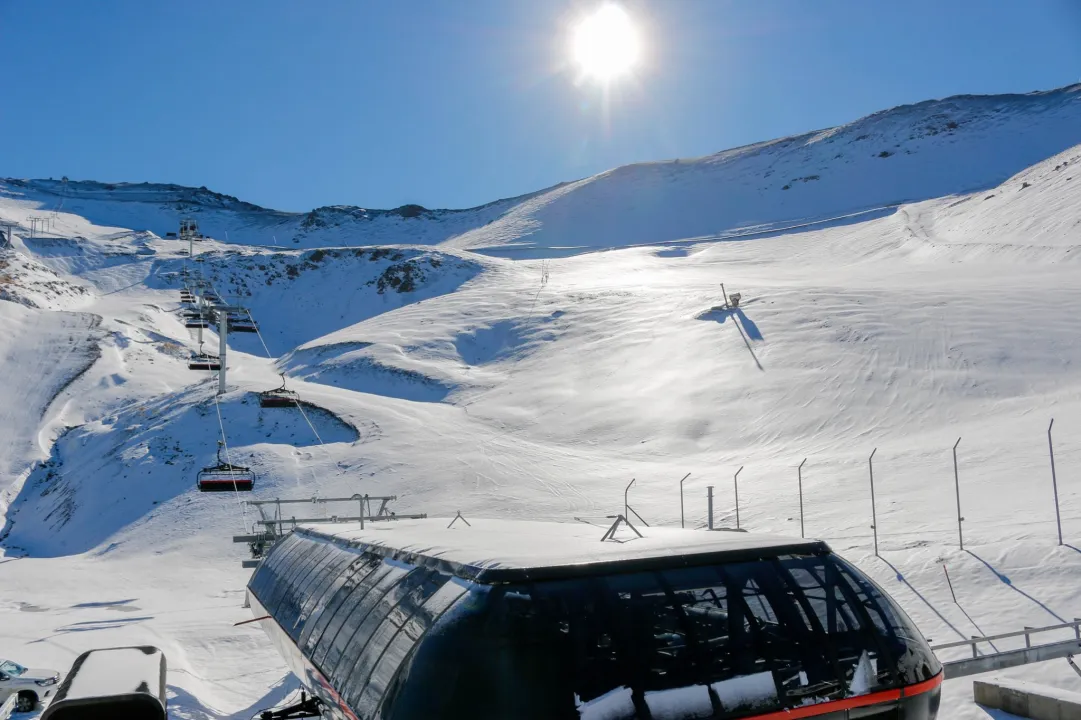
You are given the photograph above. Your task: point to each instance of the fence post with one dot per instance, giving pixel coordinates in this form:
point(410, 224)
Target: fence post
point(799, 473)
point(709, 505)
point(874, 515)
point(957, 489)
point(681, 521)
point(735, 481)
point(1054, 480)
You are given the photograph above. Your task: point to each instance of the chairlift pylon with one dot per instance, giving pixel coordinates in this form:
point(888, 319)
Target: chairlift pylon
point(225, 476)
point(279, 397)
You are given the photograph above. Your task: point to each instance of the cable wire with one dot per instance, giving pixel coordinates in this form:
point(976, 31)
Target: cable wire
point(229, 461)
point(297, 401)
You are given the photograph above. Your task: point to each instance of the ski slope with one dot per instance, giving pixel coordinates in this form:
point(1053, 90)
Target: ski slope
point(534, 379)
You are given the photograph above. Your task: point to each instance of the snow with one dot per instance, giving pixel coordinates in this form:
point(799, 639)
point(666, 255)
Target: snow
point(61, 346)
point(932, 149)
point(613, 705)
point(944, 312)
point(749, 691)
point(680, 703)
point(488, 543)
point(117, 671)
point(864, 677)
point(1025, 686)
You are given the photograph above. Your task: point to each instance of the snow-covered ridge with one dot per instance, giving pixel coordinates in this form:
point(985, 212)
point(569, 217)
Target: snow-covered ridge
point(908, 153)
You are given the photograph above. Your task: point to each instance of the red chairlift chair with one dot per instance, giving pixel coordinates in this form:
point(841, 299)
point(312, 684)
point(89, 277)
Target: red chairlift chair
point(279, 397)
point(225, 477)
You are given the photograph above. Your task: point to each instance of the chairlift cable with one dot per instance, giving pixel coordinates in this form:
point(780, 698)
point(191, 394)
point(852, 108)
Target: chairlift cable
point(221, 423)
point(299, 406)
point(229, 461)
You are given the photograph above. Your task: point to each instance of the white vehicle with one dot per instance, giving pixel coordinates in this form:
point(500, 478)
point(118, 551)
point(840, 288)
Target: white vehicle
point(29, 686)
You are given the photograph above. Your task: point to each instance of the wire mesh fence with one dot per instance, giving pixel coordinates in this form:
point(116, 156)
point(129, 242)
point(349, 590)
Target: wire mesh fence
point(974, 489)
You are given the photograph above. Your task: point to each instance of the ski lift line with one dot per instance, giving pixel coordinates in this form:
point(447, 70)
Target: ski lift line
point(303, 414)
point(299, 406)
point(229, 461)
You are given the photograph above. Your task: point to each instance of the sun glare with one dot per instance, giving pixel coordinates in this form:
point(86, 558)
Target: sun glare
point(606, 43)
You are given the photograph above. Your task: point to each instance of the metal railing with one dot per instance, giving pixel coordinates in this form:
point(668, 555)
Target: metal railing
point(272, 524)
point(1000, 660)
point(292, 522)
point(1027, 633)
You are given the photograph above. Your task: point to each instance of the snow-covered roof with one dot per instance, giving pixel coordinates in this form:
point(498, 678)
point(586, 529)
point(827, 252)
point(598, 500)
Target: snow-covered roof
point(114, 681)
point(522, 547)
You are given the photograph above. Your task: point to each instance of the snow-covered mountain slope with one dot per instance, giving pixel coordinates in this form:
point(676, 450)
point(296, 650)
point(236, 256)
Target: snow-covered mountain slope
point(909, 153)
point(158, 208)
point(540, 388)
point(60, 346)
point(300, 296)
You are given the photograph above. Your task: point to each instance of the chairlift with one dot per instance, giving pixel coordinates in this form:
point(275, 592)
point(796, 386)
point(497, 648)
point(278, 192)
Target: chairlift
point(203, 361)
point(242, 323)
point(224, 476)
point(279, 397)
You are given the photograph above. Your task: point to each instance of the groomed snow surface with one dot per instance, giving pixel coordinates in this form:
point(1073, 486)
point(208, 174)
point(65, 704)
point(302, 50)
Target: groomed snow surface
point(535, 379)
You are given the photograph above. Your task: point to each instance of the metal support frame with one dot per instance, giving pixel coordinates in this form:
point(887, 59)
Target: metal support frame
point(709, 505)
point(611, 532)
point(950, 583)
point(799, 474)
point(293, 521)
point(874, 514)
point(308, 707)
point(274, 525)
point(735, 483)
point(223, 332)
point(278, 501)
point(1054, 479)
point(682, 522)
point(625, 491)
point(458, 517)
point(640, 518)
point(957, 488)
point(1011, 658)
point(360, 503)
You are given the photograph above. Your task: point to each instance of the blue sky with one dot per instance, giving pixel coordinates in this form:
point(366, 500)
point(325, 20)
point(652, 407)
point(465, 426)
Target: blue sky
point(451, 104)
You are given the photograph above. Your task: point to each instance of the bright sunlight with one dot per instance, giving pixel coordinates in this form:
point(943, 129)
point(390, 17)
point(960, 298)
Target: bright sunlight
point(606, 43)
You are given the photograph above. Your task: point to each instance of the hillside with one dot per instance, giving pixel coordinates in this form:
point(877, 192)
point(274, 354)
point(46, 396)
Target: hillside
point(157, 208)
point(905, 154)
point(535, 380)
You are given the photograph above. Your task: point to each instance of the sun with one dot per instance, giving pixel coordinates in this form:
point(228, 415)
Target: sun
point(606, 43)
